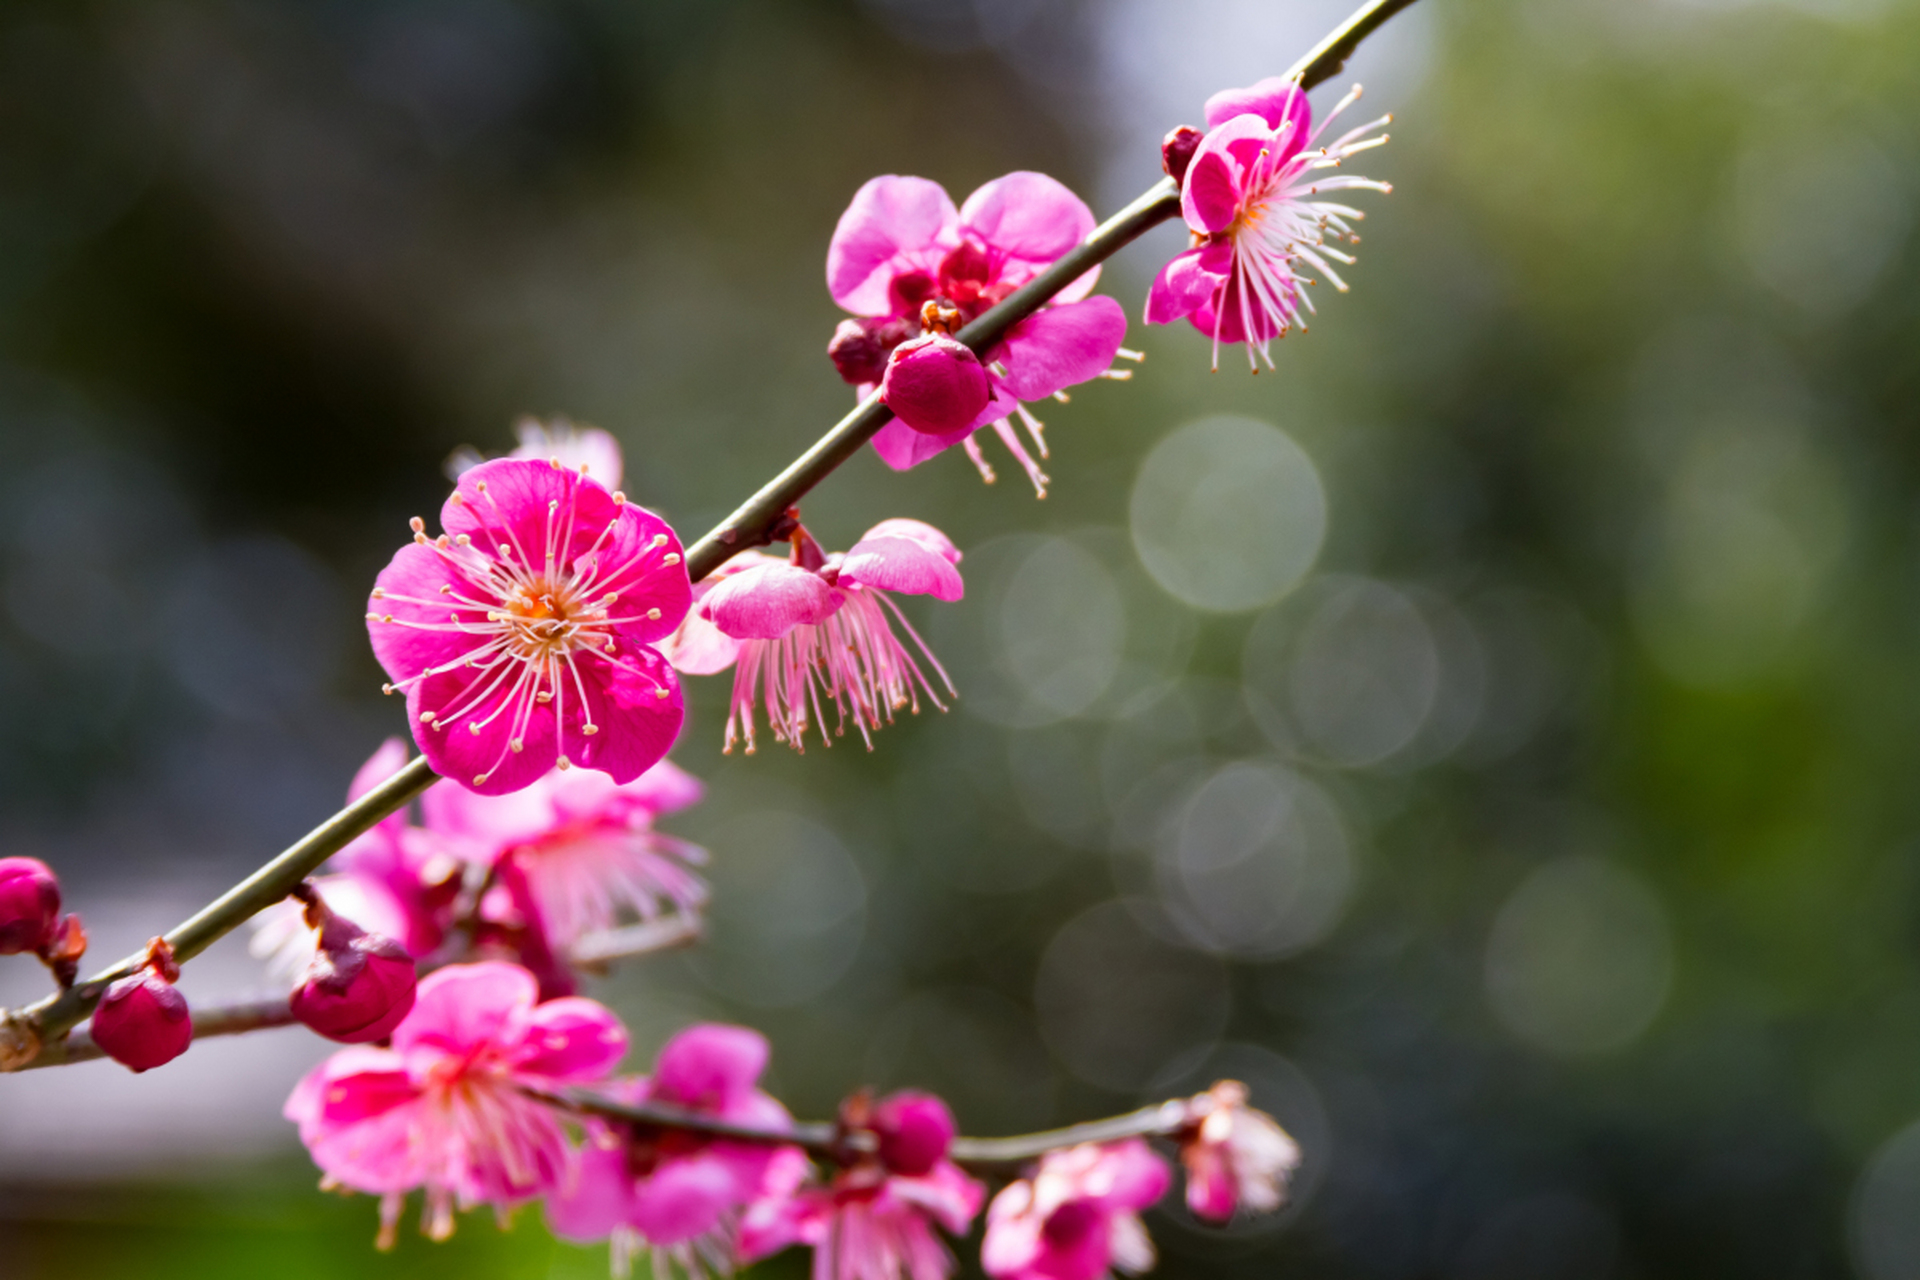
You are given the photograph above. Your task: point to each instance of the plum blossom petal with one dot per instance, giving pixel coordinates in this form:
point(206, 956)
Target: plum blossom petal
point(1188, 282)
point(894, 224)
point(1276, 100)
point(1027, 220)
point(766, 602)
point(902, 564)
point(1059, 347)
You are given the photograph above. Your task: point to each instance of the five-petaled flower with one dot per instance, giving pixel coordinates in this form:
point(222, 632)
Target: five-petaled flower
point(443, 1109)
point(816, 630)
point(901, 244)
point(1078, 1216)
point(673, 1192)
point(1249, 196)
point(523, 635)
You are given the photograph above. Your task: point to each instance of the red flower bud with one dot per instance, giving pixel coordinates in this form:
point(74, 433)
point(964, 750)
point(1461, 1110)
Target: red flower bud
point(358, 987)
point(935, 385)
point(29, 905)
point(142, 1021)
point(915, 1131)
point(1176, 151)
point(859, 348)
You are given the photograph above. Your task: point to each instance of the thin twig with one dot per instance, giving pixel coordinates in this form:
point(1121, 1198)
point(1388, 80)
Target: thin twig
point(231, 1019)
point(1002, 1156)
point(24, 1032)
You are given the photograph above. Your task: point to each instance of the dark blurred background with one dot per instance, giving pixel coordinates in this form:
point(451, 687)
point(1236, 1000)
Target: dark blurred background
point(1490, 734)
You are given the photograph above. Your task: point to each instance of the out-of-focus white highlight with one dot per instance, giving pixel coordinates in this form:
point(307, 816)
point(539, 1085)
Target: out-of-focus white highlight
point(1884, 1229)
point(1580, 957)
point(1062, 627)
point(1228, 514)
point(1258, 863)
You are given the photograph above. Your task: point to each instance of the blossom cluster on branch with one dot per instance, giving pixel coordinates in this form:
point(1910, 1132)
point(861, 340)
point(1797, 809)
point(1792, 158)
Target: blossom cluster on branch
point(539, 638)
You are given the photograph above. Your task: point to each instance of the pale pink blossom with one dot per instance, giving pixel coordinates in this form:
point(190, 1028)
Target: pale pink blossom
point(674, 1194)
point(869, 1223)
point(816, 631)
point(585, 844)
point(589, 450)
point(1250, 196)
point(1078, 1216)
point(443, 1109)
point(1236, 1158)
point(523, 635)
point(901, 244)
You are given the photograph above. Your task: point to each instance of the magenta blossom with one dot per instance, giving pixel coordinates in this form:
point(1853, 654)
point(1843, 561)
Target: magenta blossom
point(676, 1193)
point(523, 636)
point(1248, 195)
point(816, 631)
point(1237, 1158)
point(1078, 1217)
point(443, 1108)
point(584, 843)
point(901, 244)
point(868, 1223)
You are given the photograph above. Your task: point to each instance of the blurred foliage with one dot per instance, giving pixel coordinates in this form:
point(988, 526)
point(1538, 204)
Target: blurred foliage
point(1590, 730)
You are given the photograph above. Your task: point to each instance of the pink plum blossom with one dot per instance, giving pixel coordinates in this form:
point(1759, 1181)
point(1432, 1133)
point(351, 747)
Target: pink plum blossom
point(875, 1220)
point(676, 1193)
point(901, 244)
point(1236, 1157)
point(1077, 1217)
point(1249, 197)
point(523, 635)
point(443, 1109)
point(816, 631)
point(585, 844)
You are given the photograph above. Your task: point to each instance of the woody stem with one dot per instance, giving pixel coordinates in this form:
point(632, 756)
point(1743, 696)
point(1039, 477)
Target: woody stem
point(23, 1032)
point(831, 1142)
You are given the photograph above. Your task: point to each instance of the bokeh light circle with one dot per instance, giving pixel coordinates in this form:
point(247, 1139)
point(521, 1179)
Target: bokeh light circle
point(1580, 957)
point(1228, 514)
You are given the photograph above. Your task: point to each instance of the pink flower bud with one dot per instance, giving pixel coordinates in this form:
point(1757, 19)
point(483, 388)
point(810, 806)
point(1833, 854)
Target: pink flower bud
point(1176, 151)
point(915, 1130)
point(358, 987)
point(29, 905)
point(142, 1021)
point(860, 347)
point(935, 385)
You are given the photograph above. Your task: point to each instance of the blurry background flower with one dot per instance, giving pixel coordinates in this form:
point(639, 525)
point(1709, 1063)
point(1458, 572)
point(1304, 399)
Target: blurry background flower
point(1488, 735)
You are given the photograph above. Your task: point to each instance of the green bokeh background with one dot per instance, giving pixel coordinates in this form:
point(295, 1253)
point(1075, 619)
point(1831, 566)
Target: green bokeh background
point(1624, 394)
